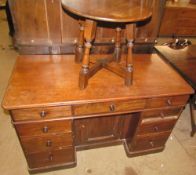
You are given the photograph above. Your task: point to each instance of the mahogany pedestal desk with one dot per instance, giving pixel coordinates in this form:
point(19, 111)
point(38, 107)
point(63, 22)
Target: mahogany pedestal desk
point(54, 118)
point(184, 61)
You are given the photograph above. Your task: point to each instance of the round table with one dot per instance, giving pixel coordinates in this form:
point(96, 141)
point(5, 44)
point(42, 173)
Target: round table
point(126, 12)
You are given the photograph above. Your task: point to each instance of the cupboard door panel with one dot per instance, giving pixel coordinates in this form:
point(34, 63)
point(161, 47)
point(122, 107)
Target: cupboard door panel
point(97, 130)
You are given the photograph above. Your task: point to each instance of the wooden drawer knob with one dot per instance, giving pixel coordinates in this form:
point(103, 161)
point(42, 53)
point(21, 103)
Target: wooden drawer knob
point(169, 102)
point(112, 108)
point(162, 115)
point(42, 114)
point(50, 157)
point(49, 143)
point(45, 129)
point(156, 128)
point(151, 143)
point(82, 126)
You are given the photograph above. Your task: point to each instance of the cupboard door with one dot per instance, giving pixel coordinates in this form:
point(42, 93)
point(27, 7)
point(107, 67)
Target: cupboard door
point(96, 130)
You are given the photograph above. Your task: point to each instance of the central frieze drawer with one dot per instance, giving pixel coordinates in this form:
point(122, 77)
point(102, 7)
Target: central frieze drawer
point(109, 107)
point(46, 143)
point(41, 113)
point(43, 128)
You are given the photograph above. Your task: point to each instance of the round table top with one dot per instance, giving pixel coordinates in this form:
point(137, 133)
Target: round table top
point(110, 10)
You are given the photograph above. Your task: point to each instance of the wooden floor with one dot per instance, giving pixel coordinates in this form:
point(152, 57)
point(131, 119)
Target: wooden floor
point(179, 157)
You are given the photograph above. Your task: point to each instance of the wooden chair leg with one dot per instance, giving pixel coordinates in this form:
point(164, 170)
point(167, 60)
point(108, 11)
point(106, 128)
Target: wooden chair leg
point(129, 61)
point(117, 51)
point(89, 35)
point(80, 45)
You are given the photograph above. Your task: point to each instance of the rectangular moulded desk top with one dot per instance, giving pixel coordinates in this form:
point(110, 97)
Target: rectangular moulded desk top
point(51, 80)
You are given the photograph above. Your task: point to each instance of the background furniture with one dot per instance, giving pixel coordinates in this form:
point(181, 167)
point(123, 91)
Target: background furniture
point(122, 13)
point(184, 61)
point(193, 1)
point(2, 4)
point(179, 19)
point(53, 117)
point(41, 27)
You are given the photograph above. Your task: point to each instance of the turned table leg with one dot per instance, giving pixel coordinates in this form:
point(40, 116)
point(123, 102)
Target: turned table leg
point(117, 51)
point(129, 65)
point(80, 45)
point(129, 61)
point(89, 35)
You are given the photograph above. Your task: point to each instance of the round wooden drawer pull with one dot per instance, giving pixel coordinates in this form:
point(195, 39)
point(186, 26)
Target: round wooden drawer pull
point(156, 128)
point(151, 143)
point(49, 143)
point(162, 115)
point(50, 157)
point(169, 102)
point(82, 126)
point(112, 108)
point(42, 114)
point(45, 129)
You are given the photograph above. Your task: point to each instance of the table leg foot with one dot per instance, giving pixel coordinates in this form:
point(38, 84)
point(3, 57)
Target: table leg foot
point(83, 79)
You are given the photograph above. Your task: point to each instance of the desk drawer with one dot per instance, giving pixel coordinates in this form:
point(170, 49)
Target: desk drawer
point(163, 113)
point(41, 113)
point(109, 107)
point(43, 128)
point(46, 143)
point(167, 101)
point(52, 158)
point(156, 125)
point(151, 141)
